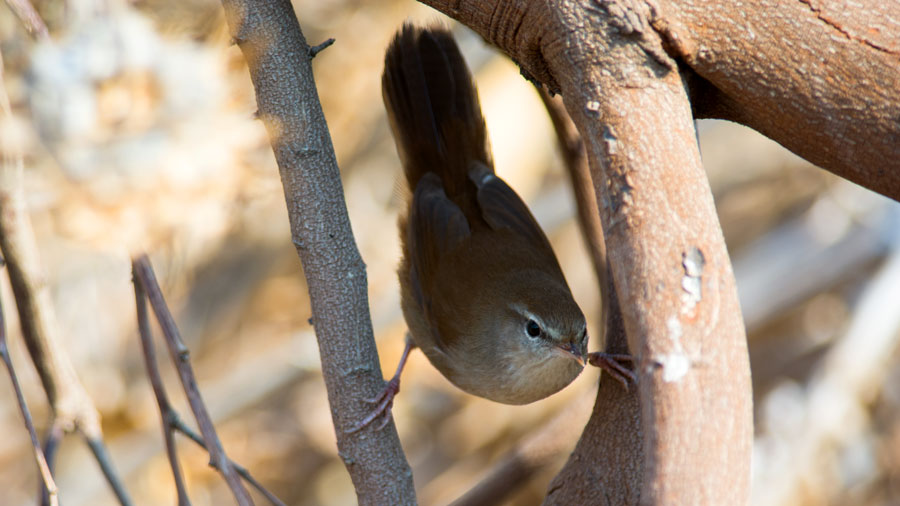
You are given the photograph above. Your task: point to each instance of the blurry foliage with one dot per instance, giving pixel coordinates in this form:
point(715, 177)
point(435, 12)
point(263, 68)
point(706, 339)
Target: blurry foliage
point(136, 125)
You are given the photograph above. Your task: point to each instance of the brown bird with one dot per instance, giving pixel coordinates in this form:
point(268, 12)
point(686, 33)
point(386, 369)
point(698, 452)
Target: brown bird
point(482, 292)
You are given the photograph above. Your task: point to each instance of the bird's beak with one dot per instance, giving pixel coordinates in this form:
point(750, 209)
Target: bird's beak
point(570, 350)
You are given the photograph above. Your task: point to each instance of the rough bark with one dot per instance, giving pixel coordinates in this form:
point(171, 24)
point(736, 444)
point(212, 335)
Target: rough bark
point(609, 455)
point(820, 78)
point(666, 251)
point(279, 61)
point(822, 82)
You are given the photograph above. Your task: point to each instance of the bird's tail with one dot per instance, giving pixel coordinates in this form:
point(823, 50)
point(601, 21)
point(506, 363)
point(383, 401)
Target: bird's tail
point(433, 108)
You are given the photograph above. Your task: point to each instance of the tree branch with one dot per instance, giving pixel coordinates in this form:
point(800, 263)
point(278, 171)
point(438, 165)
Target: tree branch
point(278, 59)
point(837, 109)
point(72, 408)
point(667, 256)
point(43, 467)
point(576, 161)
point(162, 400)
point(170, 420)
point(608, 460)
point(822, 83)
point(180, 354)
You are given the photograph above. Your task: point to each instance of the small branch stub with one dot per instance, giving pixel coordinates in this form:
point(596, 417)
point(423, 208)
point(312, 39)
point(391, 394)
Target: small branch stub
point(314, 50)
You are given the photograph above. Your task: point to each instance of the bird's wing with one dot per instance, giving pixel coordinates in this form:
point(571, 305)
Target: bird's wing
point(502, 208)
point(436, 226)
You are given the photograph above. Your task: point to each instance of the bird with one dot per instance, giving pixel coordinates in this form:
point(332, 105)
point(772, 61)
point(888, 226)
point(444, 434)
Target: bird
point(482, 291)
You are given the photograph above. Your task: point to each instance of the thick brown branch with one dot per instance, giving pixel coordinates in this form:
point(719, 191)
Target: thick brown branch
point(278, 59)
point(666, 252)
point(608, 460)
point(823, 82)
point(576, 162)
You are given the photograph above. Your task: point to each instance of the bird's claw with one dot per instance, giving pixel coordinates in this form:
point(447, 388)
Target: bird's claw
point(612, 363)
point(384, 401)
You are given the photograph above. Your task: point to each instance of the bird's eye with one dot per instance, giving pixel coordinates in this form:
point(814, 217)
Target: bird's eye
point(532, 328)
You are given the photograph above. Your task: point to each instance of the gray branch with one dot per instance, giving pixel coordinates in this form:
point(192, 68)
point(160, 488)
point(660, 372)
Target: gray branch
point(278, 58)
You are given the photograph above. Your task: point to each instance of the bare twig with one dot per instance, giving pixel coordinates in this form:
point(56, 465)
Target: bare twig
point(162, 400)
point(180, 354)
point(270, 38)
point(46, 475)
point(318, 48)
point(170, 420)
point(29, 17)
point(72, 408)
point(179, 425)
point(101, 455)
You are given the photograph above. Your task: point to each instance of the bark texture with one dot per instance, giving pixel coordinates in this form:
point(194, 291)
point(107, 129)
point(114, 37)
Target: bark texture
point(279, 61)
point(821, 80)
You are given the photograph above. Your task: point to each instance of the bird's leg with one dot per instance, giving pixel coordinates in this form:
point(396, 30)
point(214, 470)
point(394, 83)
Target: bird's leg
point(385, 400)
point(613, 364)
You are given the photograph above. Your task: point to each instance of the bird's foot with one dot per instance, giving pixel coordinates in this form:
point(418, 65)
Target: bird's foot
point(613, 363)
point(383, 401)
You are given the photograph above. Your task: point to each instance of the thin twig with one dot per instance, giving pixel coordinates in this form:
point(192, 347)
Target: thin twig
point(179, 425)
point(181, 357)
point(30, 18)
point(46, 476)
point(318, 48)
point(72, 409)
point(55, 434)
point(101, 455)
point(171, 420)
point(162, 400)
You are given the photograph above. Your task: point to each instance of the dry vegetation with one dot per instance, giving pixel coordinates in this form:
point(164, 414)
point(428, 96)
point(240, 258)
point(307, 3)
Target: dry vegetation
point(137, 131)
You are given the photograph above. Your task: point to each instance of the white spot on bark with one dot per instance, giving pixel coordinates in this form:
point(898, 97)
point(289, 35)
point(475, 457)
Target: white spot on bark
point(675, 364)
point(692, 282)
point(675, 330)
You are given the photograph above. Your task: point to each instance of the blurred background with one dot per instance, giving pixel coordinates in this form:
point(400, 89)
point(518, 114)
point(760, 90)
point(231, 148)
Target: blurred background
point(135, 123)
